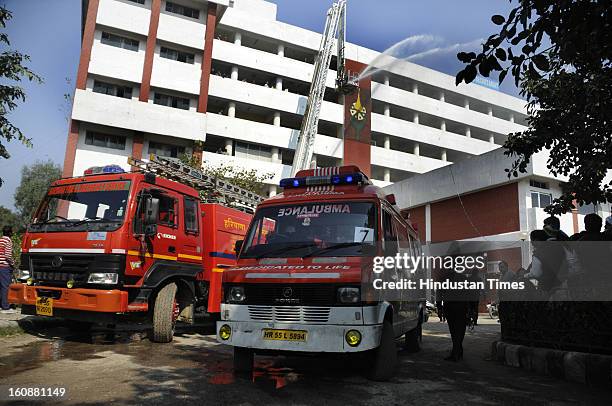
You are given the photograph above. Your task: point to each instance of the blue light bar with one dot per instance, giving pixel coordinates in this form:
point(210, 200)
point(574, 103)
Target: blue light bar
point(348, 179)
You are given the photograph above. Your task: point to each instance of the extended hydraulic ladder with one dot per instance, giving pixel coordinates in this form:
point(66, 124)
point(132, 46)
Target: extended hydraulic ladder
point(334, 31)
point(211, 189)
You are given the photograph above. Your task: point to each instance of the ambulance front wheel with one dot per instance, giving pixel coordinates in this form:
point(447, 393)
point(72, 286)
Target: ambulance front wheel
point(383, 360)
point(243, 360)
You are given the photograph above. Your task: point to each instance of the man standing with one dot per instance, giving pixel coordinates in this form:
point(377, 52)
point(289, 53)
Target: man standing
point(6, 268)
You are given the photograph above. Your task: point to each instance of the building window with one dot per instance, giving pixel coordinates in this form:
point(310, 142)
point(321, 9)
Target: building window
point(167, 150)
point(112, 90)
point(539, 185)
point(105, 140)
point(175, 55)
point(541, 200)
point(171, 101)
point(119, 41)
point(182, 10)
point(253, 151)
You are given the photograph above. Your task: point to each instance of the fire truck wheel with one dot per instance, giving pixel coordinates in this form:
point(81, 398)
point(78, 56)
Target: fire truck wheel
point(414, 338)
point(163, 314)
point(78, 326)
point(384, 358)
point(243, 360)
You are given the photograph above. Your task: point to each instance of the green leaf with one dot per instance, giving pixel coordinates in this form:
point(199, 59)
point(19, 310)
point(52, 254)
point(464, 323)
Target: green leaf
point(500, 54)
point(541, 62)
point(498, 19)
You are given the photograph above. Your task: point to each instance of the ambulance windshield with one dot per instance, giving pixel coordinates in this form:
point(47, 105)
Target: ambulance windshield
point(321, 229)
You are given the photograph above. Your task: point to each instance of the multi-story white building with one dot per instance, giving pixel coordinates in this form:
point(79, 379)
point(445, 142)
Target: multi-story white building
point(165, 77)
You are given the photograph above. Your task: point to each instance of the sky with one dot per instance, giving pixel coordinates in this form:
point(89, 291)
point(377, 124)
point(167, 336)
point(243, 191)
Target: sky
point(49, 32)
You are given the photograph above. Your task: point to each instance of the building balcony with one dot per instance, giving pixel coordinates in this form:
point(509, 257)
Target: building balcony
point(275, 100)
point(447, 111)
point(182, 30)
point(267, 134)
point(429, 135)
point(389, 158)
point(138, 116)
point(264, 61)
point(174, 75)
point(125, 16)
point(119, 63)
point(279, 170)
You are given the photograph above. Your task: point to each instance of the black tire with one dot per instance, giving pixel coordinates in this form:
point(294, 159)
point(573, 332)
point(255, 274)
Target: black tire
point(414, 338)
point(383, 359)
point(163, 314)
point(243, 360)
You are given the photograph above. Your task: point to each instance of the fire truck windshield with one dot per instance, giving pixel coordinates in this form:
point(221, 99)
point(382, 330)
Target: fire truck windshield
point(309, 229)
point(83, 206)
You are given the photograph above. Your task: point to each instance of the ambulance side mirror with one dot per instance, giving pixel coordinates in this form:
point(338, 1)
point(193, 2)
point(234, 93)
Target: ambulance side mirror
point(238, 246)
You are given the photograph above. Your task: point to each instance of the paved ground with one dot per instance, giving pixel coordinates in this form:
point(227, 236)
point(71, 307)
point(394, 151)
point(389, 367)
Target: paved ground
point(194, 369)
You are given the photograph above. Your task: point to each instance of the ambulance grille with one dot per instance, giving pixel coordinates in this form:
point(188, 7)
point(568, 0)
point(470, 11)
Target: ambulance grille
point(289, 314)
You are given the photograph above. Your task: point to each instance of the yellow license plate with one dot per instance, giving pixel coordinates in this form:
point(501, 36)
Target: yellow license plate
point(44, 306)
point(284, 335)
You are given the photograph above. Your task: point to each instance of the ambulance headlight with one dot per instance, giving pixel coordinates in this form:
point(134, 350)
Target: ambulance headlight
point(348, 295)
point(103, 278)
point(236, 294)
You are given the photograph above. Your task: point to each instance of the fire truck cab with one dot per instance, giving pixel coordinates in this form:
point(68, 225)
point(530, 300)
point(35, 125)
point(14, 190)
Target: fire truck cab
point(299, 282)
point(112, 246)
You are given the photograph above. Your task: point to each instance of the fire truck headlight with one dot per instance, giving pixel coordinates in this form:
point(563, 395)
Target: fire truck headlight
point(348, 295)
point(103, 278)
point(22, 274)
point(236, 294)
point(225, 332)
point(353, 338)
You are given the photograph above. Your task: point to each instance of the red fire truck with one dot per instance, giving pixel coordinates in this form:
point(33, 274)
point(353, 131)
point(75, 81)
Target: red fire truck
point(146, 246)
point(301, 282)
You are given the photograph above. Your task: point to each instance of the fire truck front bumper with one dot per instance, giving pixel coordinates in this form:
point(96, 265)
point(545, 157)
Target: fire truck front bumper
point(299, 337)
point(91, 300)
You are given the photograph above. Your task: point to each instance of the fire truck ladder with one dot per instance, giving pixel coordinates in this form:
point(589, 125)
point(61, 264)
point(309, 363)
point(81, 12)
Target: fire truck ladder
point(211, 189)
point(334, 31)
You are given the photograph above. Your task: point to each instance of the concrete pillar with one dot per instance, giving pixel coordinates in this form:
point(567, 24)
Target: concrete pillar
point(415, 118)
point(490, 110)
point(443, 125)
point(275, 154)
point(277, 118)
point(229, 146)
point(442, 96)
point(387, 110)
point(272, 190)
point(492, 138)
point(387, 142)
point(415, 88)
point(443, 155)
point(467, 104)
point(386, 80)
point(313, 161)
point(231, 109)
point(281, 50)
point(512, 117)
point(468, 132)
point(234, 75)
point(387, 175)
point(279, 83)
point(238, 38)
point(417, 149)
